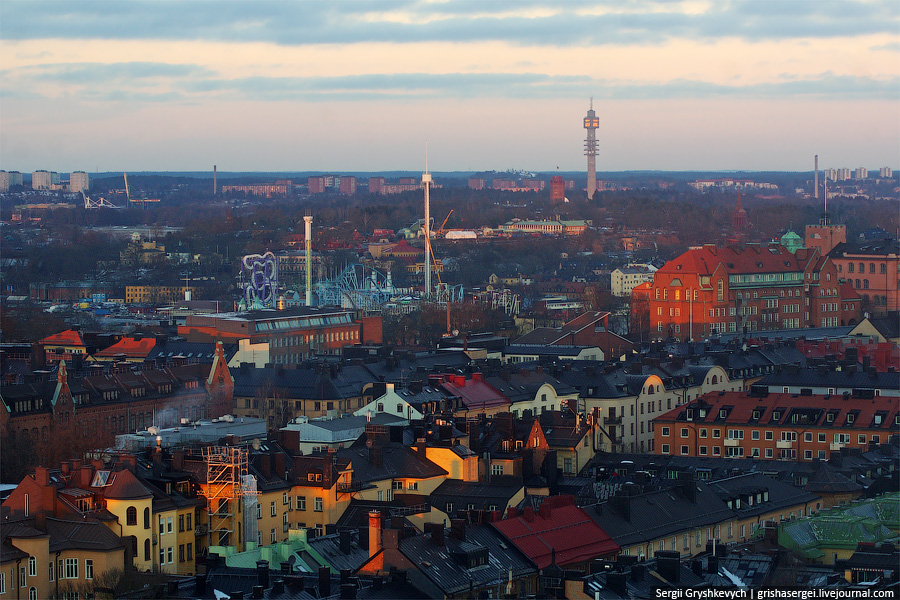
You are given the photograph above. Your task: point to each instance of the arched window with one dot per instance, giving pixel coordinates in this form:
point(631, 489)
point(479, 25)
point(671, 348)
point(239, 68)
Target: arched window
point(147, 549)
point(849, 267)
point(871, 267)
point(865, 284)
point(147, 518)
point(131, 516)
point(32, 593)
point(32, 566)
point(720, 290)
point(858, 284)
point(715, 379)
point(862, 267)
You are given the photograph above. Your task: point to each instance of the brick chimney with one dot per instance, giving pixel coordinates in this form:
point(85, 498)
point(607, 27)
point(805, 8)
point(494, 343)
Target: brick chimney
point(374, 532)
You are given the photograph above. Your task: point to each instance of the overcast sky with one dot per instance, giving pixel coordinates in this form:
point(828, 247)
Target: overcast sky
point(361, 85)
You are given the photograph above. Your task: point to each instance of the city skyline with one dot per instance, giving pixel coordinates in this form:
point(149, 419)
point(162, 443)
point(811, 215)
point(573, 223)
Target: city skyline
point(320, 87)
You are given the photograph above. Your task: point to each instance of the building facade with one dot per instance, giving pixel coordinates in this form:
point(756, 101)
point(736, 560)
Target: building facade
point(872, 268)
point(79, 181)
point(709, 290)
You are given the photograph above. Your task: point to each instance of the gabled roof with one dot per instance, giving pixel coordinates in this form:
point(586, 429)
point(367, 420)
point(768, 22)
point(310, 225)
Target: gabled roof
point(475, 392)
point(82, 534)
point(125, 486)
point(130, 347)
point(562, 529)
point(69, 337)
point(396, 462)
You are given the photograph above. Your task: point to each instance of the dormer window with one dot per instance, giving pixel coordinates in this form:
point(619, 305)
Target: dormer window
point(723, 413)
point(702, 413)
point(878, 419)
point(851, 418)
point(756, 415)
point(776, 415)
point(689, 414)
point(829, 418)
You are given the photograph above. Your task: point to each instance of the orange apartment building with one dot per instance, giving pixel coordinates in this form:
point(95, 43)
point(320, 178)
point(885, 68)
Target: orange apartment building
point(709, 290)
point(776, 426)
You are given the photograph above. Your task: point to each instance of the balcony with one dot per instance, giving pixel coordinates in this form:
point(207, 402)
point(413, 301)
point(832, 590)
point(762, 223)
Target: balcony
point(836, 446)
point(353, 486)
point(201, 530)
point(612, 420)
point(782, 444)
point(731, 443)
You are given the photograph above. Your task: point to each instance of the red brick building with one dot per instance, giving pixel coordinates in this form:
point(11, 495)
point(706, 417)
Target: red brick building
point(557, 189)
point(872, 268)
point(293, 334)
point(709, 290)
point(776, 426)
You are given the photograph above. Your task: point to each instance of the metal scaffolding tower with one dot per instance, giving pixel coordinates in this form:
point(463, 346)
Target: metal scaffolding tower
point(226, 472)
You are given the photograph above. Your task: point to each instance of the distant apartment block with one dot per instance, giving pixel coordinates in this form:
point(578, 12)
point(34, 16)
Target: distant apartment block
point(625, 279)
point(316, 184)
point(861, 173)
point(9, 179)
point(79, 181)
point(348, 185)
point(44, 180)
point(534, 184)
point(504, 184)
point(268, 190)
point(731, 184)
point(375, 184)
point(885, 172)
point(476, 183)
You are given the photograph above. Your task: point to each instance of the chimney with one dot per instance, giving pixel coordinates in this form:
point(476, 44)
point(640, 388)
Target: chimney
point(178, 460)
point(668, 564)
point(544, 510)
point(257, 592)
point(286, 567)
point(348, 591)
point(324, 582)
point(85, 475)
point(458, 529)
point(437, 533)
point(277, 587)
point(344, 535)
point(42, 476)
point(637, 572)
point(375, 456)
point(420, 448)
point(712, 564)
point(363, 537)
point(374, 532)
point(617, 583)
point(280, 470)
point(262, 573)
point(390, 539)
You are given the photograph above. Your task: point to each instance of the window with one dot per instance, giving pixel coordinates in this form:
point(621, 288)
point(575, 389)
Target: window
point(414, 485)
point(32, 593)
point(259, 511)
point(769, 453)
point(130, 516)
point(397, 485)
point(285, 499)
point(272, 509)
point(190, 551)
point(769, 435)
point(754, 434)
point(88, 568)
point(684, 432)
point(180, 522)
point(862, 439)
point(703, 432)
point(52, 574)
point(169, 524)
point(181, 553)
point(71, 568)
point(162, 555)
point(496, 469)
point(717, 433)
point(684, 450)
point(301, 502)
point(188, 527)
point(3, 582)
point(273, 537)
point(664, 449)
point(743, 531)
point(702, 450)
point(32, 566)
point(318, 504)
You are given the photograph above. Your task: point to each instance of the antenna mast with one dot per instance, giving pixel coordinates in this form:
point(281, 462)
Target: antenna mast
point(426, 183)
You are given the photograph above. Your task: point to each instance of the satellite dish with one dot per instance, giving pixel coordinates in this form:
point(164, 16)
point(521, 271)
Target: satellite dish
point(255, 443)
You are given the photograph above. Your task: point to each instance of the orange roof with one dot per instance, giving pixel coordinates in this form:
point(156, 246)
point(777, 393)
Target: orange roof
point(129, 347)
point(69, 337)
point(754, 258)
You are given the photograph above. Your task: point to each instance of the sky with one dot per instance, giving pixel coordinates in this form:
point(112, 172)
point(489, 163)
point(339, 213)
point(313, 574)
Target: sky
point(364, 85)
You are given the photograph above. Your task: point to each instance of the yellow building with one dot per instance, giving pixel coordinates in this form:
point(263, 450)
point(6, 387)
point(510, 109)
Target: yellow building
point(152, 294)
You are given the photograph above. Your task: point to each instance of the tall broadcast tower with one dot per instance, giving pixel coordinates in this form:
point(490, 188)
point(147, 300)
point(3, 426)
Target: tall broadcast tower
point(591, 123)
point(426, 183)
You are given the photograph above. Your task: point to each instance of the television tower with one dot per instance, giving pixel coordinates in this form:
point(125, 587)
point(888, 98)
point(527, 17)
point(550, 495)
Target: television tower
point(426, 183)
point(307, 222)
point(591, 123)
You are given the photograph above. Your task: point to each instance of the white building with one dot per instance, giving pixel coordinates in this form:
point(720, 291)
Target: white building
point(861, 173)
point(625, 279)
point(885, 172)
point(79, 181)
point(319, 434)
point(44, 180)
point(390, 403)
point(9, 179)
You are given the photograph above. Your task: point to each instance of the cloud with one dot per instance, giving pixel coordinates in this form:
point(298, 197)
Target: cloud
point(527, 23)
point(97, 73)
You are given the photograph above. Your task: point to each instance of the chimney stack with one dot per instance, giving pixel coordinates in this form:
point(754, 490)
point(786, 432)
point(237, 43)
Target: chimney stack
point(374, 532)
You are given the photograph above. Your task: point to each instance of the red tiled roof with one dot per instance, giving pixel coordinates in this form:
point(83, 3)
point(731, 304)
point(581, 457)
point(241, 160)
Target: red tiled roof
point(558, 526)
point(129, 347)
point(475, 392)
point(741, 406)
point(69, 337)
point(773, 258)
point(847, 292)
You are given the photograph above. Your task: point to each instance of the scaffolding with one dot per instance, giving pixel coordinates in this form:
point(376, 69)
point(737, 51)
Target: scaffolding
point(226, 475)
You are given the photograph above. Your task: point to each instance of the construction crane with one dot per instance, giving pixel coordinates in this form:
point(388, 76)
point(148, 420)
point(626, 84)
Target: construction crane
point(127, 191)
point(440, 230)
point(100, 203)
